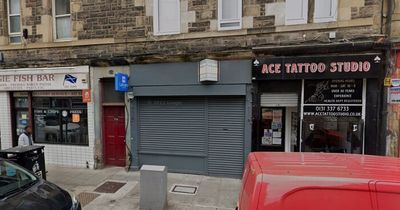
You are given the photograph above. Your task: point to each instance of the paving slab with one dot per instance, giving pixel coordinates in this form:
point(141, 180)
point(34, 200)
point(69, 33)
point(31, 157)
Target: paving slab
point(213, 193)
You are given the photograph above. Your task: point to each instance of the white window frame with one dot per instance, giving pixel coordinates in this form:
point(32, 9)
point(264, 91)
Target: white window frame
point(221, 21)
point(156, 23)
point(302, 20)
point(55, 23)
point(329, 18)
point(15, 34)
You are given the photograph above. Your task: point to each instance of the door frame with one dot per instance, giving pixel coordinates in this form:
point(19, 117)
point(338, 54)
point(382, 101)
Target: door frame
point(289, 110)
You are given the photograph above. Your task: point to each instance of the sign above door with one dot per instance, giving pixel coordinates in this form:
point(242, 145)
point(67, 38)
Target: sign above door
point(318, 67)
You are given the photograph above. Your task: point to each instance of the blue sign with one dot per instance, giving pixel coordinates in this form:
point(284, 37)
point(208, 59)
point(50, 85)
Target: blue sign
point(121, 82)
point(69, 78)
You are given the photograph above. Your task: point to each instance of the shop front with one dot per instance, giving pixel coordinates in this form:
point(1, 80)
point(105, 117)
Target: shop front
point(190, 125)
point(325, 103)
point(51, 102)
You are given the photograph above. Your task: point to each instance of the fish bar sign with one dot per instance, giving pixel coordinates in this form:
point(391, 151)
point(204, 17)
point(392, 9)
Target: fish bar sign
point(318, 67)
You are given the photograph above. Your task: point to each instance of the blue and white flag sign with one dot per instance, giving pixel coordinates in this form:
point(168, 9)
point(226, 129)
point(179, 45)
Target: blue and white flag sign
point(69, 78)
point(121, 82)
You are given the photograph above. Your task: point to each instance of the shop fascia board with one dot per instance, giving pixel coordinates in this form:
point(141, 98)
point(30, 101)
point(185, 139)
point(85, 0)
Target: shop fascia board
point(319, 48)
point(55, 70)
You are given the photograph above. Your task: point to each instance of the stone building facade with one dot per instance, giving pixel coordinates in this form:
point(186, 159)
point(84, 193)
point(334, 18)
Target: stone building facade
point(110, 35)
point(105, 30)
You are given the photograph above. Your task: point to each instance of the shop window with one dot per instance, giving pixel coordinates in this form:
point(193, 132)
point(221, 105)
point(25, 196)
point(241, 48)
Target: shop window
point(62, 19)
point(60, 120)
point(229, 14)
point(14, 21)
point(325, 11)
point(166, 18)
point(296, 12)
point(332, 134)
point(21, 108)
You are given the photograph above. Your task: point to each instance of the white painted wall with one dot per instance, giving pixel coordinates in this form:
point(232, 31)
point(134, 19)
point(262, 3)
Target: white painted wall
point(5, 121)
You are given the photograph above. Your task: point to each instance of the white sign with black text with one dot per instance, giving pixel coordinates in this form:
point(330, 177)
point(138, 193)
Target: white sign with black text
point(63, 78)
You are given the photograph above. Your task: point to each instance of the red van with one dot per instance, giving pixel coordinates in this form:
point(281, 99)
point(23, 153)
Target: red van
point(319, 181)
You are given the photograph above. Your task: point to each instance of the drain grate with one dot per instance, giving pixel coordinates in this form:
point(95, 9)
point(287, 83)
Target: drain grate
point(109, 187)
point(184, 189)
point(85, 198)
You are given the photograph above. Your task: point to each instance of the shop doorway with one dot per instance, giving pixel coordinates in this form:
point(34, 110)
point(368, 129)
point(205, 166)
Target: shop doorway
point(279, 122)
point(114, 135)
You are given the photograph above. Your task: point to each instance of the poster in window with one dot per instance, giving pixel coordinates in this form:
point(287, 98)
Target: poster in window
point(277, 115)
point(277, 134)
point(276, 125)
point(277, 141)
point(267, 138)
point(76, 118)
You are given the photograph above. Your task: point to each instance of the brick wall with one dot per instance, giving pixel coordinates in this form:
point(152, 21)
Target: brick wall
point(3, 18)
point(123, 29)
point(111, 19)
point(205, 11)
point(31, 17)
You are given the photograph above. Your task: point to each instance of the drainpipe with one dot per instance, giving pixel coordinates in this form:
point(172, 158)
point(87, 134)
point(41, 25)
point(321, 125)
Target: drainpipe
point(387, 72)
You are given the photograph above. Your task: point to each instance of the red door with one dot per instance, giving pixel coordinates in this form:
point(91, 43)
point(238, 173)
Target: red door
point(114, 135)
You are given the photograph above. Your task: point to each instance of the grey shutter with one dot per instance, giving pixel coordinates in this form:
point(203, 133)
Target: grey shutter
point(193, 134)
point(172, 125)
point(279, 100)
point(174, 128)
point(226, 136)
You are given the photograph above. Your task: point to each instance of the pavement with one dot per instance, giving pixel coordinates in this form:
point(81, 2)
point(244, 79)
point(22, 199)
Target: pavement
point(213, 193)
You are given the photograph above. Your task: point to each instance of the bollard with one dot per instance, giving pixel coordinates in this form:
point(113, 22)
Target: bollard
point(153, 187)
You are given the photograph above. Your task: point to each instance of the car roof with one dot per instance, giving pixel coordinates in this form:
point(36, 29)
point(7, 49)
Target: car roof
point(329, 165)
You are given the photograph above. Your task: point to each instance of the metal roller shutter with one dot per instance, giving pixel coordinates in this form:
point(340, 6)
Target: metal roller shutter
point(226, 136)
point(201, 135)
point(279, 100)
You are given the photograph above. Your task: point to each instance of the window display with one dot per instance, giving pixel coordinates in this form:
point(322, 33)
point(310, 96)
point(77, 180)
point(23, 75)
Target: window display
point(60, 120)
point(272, 125)
point(21, 112)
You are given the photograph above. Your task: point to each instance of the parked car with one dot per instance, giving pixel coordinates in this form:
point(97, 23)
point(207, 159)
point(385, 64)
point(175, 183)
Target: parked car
point(22, 190)
point(315, 181)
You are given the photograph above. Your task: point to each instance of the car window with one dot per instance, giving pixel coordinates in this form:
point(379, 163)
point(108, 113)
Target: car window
point(14, 179)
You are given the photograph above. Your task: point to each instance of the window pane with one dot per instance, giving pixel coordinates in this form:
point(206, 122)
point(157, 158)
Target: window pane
point(75, 127)
point(22, 120)
point(14, 7)
point(229, 9)
point(323, 8)
point(61, 103)
point(15, 39)
point(296, 12)
point(15, 26)
point(62, 7)
point(77, 103)
point(168, 16)
point(63, 27)
point(41, 102)
point(21, 102)
point(47, 126)
point(64, 123)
